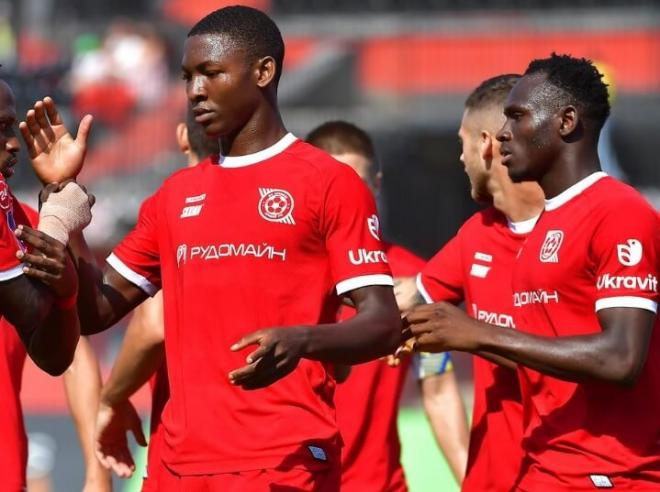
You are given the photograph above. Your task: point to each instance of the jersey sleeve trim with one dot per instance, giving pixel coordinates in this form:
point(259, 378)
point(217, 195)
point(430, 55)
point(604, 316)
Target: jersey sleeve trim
point(428, 365)
point(363, 281)
point(11, 273)
point(133, 277)
point(422, 290)
point(627, 301)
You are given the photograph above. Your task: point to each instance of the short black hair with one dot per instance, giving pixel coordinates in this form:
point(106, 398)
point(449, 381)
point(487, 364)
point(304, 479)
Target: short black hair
point(200, 143)
point(253, 30)
point(580, 84)
point(493, 91)
point(341, 137)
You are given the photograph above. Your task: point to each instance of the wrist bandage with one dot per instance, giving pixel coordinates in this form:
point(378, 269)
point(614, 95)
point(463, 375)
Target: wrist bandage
point(64, 212)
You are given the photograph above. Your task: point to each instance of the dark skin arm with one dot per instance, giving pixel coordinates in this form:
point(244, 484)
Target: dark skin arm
point(616, 354)
point(104, 296)
point(49, 333)
point(373, 332)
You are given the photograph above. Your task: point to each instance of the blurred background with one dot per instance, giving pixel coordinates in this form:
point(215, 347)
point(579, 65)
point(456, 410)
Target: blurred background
point(399, 68)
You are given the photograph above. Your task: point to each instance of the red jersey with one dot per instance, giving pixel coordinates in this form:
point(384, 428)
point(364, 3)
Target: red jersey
point(475, 267)
point(13, 445)
point(367, 409)
point(594, 247)
point(270, 239)
point(160, 393)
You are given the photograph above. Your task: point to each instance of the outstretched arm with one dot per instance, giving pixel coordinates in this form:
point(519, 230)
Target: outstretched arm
point(82, 384)
point(616, 354)
point(373, 332)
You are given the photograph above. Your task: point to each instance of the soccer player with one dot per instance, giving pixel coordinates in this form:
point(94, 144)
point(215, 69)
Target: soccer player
point(45, 319)
point(52, 353)
point(474, 267)
point(251, 248)
point(141, 357)
point(584, 292)
point(368, 401)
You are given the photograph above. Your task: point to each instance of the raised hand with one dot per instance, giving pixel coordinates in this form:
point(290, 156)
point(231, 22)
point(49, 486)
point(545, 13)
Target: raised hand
point(56, 155)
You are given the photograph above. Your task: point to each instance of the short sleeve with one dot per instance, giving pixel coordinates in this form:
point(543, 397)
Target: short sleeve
point(351, 228)
point(624, 250)
point(10, 266)
point(137, 257)
point(442, 277)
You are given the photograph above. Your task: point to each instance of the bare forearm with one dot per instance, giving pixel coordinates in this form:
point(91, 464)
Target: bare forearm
point(573, 358)
point(82, 384)
point(133, 368)
point(91, 305)
point(53, 342)
point(364, 337)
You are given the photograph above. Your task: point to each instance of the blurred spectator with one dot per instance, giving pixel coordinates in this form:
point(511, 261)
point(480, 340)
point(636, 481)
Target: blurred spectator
point(41, 461)
point(125, 71)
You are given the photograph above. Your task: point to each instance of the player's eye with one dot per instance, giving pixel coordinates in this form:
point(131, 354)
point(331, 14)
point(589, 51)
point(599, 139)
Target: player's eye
point(185, 76)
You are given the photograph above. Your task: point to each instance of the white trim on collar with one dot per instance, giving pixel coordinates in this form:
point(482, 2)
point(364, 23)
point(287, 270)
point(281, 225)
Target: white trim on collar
point(262, 155)
point(523, 226)
point(573, 191)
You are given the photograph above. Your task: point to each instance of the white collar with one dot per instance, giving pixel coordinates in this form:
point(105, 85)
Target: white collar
point(262, 155)
point(524, 226)
point(573, 191)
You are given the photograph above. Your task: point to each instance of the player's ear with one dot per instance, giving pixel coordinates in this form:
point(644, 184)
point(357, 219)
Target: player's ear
point(266, 70)
point(486, 148)
point(182, 138)
point(569, 119)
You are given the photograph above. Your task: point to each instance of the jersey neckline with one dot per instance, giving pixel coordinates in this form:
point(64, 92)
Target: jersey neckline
point(267, 153)
point(523, 226)
point(573, 191)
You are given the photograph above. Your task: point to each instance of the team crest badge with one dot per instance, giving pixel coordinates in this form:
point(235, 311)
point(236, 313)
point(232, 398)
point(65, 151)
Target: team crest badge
point(5, 196)
point(550, 249)
point(276, 206)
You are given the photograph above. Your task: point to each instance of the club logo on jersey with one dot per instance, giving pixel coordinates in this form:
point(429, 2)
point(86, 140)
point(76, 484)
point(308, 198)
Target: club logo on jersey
point(181, 254)
point(373, 224)
point(550, 248)
point(5, 196)
point(630, 254)
point(276, 206)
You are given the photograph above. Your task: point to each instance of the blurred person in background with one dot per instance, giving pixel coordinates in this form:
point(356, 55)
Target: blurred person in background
point(585, 292)
point(141, 357)
point(367, 402)
point(475, 268)
point(283, 271)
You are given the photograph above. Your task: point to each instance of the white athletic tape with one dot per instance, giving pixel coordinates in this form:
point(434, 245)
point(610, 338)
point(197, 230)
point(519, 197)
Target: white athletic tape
point(64, 212)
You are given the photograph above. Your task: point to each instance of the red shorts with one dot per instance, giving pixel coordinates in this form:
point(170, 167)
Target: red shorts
point(271, 480)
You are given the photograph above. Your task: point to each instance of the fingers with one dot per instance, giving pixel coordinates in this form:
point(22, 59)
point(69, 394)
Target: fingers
point(251, 339)
point(41, 262)
point(258, 354)
point(83, 130)
point(116, 458)
point(420, 328)
point(51, 110)
point(28, 139)
point(40, 241)
point(266, 378)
